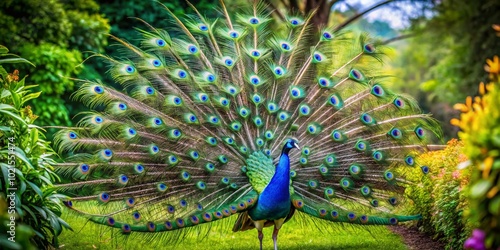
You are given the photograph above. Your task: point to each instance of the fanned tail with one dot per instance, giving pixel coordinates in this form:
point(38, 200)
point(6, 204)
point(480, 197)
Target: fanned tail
point(169, 149)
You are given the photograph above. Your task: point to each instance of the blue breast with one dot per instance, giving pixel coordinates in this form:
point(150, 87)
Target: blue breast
point(274, 201)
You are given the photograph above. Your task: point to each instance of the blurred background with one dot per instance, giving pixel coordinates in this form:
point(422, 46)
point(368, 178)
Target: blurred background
point(440, 46)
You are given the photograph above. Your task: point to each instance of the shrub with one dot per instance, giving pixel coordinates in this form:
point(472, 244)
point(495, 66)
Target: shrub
point(32, 215)
point(439, 197)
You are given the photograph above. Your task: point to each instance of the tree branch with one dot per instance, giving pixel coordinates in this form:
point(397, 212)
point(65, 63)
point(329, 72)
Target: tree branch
point(353, 18)
point(390, 40)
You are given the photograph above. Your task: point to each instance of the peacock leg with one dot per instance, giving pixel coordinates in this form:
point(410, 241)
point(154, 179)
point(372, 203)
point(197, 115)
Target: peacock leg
point(259, 225)
point(277, 226)
point(261, 236)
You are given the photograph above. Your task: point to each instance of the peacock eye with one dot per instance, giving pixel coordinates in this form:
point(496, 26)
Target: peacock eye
point(150, 90)
point(285, 46)
point(156, 63)
point(98, 89)
point(234, 34)
point(254, 20)
point(130, 69)
point(192, 49)
point(160, 42)
point(255, 53)
point(317, 57)
point(228, 62)
point(203, 27)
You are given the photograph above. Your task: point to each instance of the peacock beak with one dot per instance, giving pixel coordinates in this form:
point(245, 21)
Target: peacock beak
point(296, 145)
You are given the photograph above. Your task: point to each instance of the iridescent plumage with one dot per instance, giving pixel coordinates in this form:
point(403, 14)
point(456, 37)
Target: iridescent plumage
point(203, 129)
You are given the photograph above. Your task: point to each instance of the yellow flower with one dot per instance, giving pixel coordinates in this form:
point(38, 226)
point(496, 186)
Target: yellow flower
point(492, 67)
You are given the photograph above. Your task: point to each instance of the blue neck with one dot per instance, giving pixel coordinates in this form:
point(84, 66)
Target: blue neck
point(274, 201)
point(279, 186)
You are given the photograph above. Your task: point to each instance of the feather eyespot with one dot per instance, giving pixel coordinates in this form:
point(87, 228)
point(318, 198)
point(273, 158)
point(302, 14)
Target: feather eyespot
point(298, 204)
point(285, 46)
point(129, 69)
point(72, 135)
point(425, 169)
point(327, 35)
point(160, 42)
point(170, 209)
point(192, 49)
point(317, 57)
point(351, 216)
point(228, 62)
point(369, 48)
point(203, 27)
point(122, 180)
point(254, 20)
point(279, 71)
point(84, 168)
point(179, 222)
point(104, 197)
point(255, 53)
point(122, 106)
point(130, 202)
point(398, 102)
point(98, 89)
point(419, 132)
point(138, 168)
point(150, 90)
point(181, 74)
point(207, 217)
point(255, 80)
point(409, 160)
point(110, 221)
point(234, 34)
point(156, 63)
point(393, 221)
point(334, 214)
point(363, 219)
point(161, 187)
point(194, 219)
point(126, 228)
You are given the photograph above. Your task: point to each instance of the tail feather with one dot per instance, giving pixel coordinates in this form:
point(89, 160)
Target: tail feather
point(168, 149)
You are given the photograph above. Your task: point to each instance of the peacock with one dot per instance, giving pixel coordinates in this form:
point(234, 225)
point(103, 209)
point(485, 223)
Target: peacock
point(244, 114)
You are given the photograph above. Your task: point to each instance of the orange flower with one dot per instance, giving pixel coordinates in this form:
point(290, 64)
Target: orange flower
point(496, 27)
point(14, 76)
point(492, 67)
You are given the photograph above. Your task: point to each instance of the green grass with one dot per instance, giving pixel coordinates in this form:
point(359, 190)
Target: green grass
point(292, 236)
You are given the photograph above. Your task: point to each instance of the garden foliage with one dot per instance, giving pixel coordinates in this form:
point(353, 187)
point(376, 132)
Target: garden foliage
point(480, 125)
point(439, 196)
point(30, 210)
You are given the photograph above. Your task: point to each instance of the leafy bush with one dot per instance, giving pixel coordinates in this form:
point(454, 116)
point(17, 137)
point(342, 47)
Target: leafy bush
point(52, 34)
point(32, 215)
point(480, 125)
point(439, 196)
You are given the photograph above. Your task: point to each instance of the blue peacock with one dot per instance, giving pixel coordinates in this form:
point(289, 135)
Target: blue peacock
point(246, 115)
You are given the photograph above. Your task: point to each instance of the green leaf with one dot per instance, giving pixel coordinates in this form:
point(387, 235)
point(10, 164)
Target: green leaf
point(3, 50)
point(30, 96)
point(35, 188)
point(494, 206)
point(3, 72)
point(480, 188)
point(26, 208)
point(15, 60)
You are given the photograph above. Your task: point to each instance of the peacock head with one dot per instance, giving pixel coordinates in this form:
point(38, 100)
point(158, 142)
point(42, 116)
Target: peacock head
point(289, 144)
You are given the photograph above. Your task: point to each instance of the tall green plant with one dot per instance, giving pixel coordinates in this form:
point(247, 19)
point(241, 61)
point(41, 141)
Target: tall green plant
point(30, 210)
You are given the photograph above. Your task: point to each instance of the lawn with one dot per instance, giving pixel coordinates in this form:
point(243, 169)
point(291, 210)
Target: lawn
point(292, 236)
